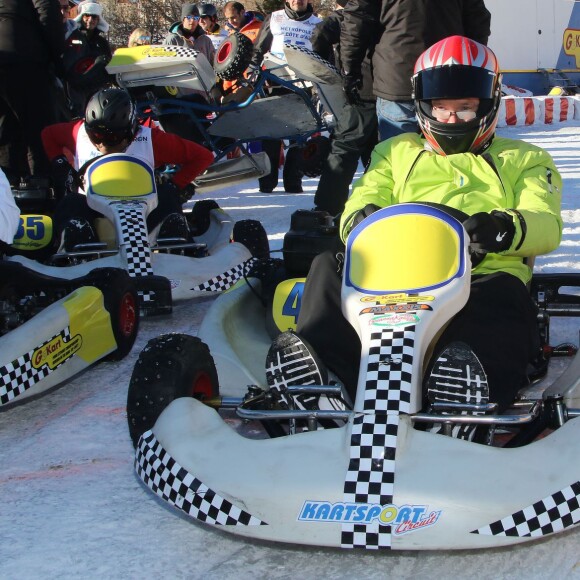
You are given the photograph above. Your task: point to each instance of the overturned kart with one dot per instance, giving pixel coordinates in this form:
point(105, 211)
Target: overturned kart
point(377, 481)
point(51, 329)
point(123, 188)
point(159, 77)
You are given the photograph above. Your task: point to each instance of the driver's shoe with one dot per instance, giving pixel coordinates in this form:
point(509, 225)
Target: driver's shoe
point(458, 377)
point(77, 231)
point(291, 361)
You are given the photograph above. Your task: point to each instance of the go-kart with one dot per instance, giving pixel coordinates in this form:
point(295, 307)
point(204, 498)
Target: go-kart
point(51, 328)
point(159, 77)
point(123, 188)
point(377, 480)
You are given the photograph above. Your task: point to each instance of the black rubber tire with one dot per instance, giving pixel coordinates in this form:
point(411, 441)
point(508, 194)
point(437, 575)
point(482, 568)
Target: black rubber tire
point(121, 301)
point(313, 155)
point(252, 234)
point(169, 367)
point(199, 218)
point(233, 56)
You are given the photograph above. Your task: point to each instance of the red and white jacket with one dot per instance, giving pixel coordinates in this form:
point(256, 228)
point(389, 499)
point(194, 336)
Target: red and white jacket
point(152, 145)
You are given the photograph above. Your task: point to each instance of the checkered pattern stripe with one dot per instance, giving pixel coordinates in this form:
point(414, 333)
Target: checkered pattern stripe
point(135, 240)
point(390, 363)
point(20, 375)
point(311, 54)
point(183, 51)
point(371, 471)
point(227, 279)
point(547, 516)
point(177, 486)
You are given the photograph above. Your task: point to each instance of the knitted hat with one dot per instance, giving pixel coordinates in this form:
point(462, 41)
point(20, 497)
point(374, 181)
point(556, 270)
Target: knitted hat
point(189, 9)
point(95, 9)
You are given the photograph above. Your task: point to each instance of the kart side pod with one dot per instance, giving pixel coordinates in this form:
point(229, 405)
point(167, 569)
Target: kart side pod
point(376, 482)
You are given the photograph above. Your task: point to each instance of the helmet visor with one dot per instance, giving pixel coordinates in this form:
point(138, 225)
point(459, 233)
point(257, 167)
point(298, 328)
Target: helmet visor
point(454, 82)
point(107, 136)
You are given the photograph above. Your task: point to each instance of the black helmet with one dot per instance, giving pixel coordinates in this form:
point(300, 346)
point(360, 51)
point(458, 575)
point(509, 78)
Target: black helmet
point(111, 116)
point(207, 10)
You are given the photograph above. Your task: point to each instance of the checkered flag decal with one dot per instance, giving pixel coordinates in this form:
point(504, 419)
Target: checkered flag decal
point(311, 54)
point(135, 241)
point(20, 375)
point(547, 516)
point(371, 471)
point(227, 279)
point(177, 486)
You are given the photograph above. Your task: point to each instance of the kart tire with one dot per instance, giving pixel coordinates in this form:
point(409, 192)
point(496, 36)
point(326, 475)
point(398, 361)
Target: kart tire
point(233, 56)
point(199, 218)
point(251, 233)
point(121, 301)
point(169, 367)
point(313, 155)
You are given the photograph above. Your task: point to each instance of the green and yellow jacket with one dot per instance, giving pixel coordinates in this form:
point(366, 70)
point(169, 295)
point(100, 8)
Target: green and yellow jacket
point(512, 176)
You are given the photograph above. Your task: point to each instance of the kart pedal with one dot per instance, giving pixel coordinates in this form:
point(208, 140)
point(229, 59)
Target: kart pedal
point(458, 377)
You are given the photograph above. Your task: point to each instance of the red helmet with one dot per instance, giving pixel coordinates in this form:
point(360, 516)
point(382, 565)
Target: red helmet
point(455, 68)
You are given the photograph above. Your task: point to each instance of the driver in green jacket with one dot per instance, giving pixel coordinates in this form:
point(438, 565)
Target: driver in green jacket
point(512, 192)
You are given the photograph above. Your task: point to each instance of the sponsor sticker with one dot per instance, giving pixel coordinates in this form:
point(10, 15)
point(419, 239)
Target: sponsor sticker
point(398, 319)
point(403, 519)
point(56, 351)
point(395, 298)
point(388, 308)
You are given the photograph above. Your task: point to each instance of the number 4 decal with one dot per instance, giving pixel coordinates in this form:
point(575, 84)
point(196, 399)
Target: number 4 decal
point(293, 301)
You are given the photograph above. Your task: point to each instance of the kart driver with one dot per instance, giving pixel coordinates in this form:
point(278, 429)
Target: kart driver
point(111, 126)
point(510, 189)
point(9, 213)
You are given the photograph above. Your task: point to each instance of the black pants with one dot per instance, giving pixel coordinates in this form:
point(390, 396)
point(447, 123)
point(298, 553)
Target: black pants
point(26, 107)
point(291, 174)
point(355, 137)
point(498, 322)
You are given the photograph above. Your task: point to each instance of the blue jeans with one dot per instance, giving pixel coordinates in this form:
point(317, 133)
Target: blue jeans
point(395, 117)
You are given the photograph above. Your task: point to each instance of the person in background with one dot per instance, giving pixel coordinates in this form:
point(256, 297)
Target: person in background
point(87, 53)
point(31, 45)
point(240, 20)
point(208, 20)
point(396, 32)
point(511, 191)
point(111, 126)
point(69, 24)
point(356, 130)
point(293, 24)
point(189, 33)
point(139, 37)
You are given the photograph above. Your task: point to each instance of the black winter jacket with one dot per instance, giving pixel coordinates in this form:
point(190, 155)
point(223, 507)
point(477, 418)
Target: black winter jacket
point(30, 31)
point(398, 31)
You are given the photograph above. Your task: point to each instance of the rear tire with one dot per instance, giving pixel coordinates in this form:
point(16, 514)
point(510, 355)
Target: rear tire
point(233, 56)
point(169, 367)
point(251, 233)
point(122, 303)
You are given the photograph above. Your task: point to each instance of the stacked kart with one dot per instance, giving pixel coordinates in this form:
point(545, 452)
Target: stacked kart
point(52, 328)
point(368, 475)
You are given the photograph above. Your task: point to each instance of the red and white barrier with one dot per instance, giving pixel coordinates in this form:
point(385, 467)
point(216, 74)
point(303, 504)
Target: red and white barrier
point(544, 110)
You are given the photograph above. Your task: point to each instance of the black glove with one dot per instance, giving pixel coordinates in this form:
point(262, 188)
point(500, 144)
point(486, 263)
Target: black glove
point(351, 84)
point(64, 177)
point(186, 193)
point(363, 213)
point(490, 232)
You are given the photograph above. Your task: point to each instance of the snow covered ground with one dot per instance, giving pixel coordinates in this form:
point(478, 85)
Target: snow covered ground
point(72, 507)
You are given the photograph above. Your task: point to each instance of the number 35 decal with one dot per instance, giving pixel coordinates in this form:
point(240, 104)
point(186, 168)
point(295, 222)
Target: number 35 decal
point(34, 231)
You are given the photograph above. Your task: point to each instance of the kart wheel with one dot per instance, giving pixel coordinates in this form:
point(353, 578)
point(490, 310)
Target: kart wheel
point(252, 234)
point(169, 367)
point(122, 303)
point(313, 155)
point(199, 218)
point(233, 57)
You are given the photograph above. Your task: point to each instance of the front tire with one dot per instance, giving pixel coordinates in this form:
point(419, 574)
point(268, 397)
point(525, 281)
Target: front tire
point(169, 367)
point(233, 56)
